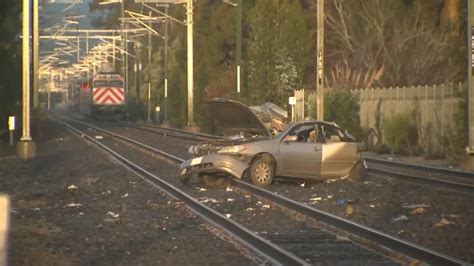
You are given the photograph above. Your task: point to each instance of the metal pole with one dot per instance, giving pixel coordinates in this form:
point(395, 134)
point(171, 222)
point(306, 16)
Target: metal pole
point(26, 71)
point(26, 147)
point(135, 67)
point(87, 42)
point(36, 55)
point(149, 48)
point(126, 61)
point(149, 101)
point(123, 43)
point(470, 79)
point(149, 66)
point(166, 65)
point(238, 52)
point(113, 53)
point(292, 113)
point(11, 137)
point(189, 22)
point(320, 61)
point(78, 49)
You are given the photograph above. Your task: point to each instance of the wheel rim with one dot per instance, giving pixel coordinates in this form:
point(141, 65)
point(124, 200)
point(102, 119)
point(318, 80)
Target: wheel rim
point(262, 173)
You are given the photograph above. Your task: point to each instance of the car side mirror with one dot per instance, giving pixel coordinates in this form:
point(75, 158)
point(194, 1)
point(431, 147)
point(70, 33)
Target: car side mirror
point(290, 138)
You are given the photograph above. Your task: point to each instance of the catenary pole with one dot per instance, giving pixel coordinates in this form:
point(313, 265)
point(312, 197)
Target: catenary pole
point(238, 34)
point(26, 148)
point(189, 22)
point(166, 65)
point(470, 79)
point(320, 61)
point(35, 55)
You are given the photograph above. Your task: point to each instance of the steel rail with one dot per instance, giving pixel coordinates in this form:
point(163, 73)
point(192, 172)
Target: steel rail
point(438, 170)
point(273, 253)
point(455, 183)
point(385, 240)
point(193, 135)
point(446, 184)
point(207, 136)
point(392, 243)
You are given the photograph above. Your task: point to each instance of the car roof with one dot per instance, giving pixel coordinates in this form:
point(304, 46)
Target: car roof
point(316, 121)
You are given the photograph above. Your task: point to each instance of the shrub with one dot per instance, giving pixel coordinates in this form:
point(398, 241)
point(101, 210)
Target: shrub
point(401, 133)
point(342, 107)
point(136, 110)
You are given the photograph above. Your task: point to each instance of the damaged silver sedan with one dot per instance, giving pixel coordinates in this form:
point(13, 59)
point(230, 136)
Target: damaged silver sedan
point(310, 150)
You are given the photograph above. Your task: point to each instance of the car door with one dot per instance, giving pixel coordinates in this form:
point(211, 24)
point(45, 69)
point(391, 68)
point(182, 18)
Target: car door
point(338, 155)
point(301, 157)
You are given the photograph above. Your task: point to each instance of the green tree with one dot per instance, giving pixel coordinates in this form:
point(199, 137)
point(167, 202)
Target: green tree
point(280, 50)
point(342, 107)
point(10, 52)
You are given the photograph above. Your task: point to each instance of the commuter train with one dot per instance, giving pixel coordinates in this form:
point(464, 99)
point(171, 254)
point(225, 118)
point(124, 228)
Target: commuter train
point(103, 96)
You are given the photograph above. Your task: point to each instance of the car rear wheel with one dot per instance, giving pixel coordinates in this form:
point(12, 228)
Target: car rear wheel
point(262, 172)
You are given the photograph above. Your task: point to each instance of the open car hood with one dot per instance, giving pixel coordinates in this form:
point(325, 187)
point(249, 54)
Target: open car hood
point(230, 117)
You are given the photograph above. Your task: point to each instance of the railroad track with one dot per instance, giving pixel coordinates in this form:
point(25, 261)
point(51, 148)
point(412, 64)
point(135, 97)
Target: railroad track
point(451, 179)
point(274, 254)
point(456, 180)
point(171, 132)
point(279, 250)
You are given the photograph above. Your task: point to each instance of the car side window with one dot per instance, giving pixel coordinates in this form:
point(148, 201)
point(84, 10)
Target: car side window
point(305, 133)
point(331, 134)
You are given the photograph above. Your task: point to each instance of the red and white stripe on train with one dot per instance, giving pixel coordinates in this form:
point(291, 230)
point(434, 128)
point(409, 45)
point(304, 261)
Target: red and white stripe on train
point(103, 94)
point(108, 89)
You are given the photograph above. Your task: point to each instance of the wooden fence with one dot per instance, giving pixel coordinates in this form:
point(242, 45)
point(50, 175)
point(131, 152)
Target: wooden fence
point(437, 104)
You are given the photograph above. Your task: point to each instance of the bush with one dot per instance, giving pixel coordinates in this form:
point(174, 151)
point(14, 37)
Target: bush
point(401, 133)
point(136, 110)
point(342, 107)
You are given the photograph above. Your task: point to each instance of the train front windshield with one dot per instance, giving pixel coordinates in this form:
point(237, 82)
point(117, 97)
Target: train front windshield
point(109, 83)
point(100, 83)
point(116, 83)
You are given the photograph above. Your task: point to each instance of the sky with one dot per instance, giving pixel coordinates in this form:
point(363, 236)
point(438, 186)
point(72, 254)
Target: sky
point(55, 13)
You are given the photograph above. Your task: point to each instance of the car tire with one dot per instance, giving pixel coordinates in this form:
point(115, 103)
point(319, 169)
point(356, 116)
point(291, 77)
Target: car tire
point(262, 171)
point(214, 181)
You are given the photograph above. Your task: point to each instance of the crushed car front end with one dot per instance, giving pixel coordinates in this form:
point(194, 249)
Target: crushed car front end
point(214, 163)
point(241, 129)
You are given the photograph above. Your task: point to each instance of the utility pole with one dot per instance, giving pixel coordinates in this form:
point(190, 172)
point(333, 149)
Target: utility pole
point(113, 54)
point(189, 22)
point(166, 66)
point(137, 69)
point(26, 147)
point(320, 61)
point(78, 49)
point(149, 68)
point(126, 65)
point(35, 55)
point(470, 78)
point(238, 34)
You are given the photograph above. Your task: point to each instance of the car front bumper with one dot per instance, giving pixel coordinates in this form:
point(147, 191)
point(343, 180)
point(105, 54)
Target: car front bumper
point(214, 163)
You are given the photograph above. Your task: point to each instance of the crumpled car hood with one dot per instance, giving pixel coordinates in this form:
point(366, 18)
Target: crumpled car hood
point(228, 117)
point(210, 147)
point(273, 117)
